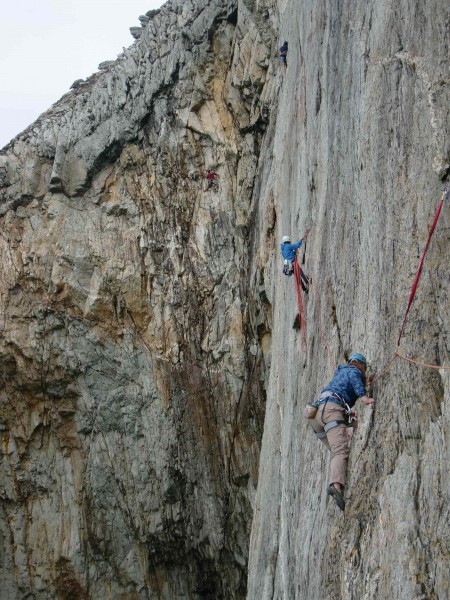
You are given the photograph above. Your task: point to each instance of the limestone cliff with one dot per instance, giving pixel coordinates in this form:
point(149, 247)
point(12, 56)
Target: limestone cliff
point(132, 400)
point(360, 152)
point(152, 378)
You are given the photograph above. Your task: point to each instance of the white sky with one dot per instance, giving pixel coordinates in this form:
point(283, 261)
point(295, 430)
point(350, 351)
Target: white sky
point(46, 44)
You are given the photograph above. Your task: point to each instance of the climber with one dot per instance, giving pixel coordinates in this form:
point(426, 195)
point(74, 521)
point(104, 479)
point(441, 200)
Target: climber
point(283, 54)
point(288, 252)
point(334, 415)
point(211, 180)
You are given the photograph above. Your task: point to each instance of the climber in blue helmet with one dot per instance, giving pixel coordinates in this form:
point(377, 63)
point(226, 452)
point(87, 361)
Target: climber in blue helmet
point(331, 419)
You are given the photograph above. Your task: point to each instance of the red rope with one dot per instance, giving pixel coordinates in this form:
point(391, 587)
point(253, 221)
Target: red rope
point(385, 370)
point(411, 360)
point(421, 364)
point(419, 271)
point(301, 311)
point(300, 304)
point(411, 298)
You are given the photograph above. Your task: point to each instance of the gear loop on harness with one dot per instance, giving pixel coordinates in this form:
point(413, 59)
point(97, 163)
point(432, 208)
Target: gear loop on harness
point(349, 415)
point(332, 425)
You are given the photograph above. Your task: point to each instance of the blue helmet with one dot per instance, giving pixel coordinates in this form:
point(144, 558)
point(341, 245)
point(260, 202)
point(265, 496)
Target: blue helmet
point(359, 357)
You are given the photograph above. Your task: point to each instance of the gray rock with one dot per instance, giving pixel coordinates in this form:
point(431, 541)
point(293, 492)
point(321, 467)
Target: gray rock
point(106, 64)
point(152, 13)
point(151, 380)
point(77, 83)
point(362, 169)
point(124, 279)
point(136, 32)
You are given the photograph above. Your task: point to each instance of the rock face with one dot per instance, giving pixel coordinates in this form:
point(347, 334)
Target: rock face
point(132, 400)
point(147, 335)
point(365, 105)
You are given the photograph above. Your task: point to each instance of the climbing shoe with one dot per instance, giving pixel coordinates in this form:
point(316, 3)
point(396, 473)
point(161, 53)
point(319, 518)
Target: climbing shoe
point(337, 495)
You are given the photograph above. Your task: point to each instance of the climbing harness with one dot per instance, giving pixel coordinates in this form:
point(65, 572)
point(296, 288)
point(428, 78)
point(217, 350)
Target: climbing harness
point(288, 267)
point(349, 415)
point(332, 425)
point(324, 398)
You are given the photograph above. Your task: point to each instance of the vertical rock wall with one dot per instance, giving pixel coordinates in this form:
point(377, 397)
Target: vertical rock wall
point(132, 397)
point(360, 147)
point(148, 336)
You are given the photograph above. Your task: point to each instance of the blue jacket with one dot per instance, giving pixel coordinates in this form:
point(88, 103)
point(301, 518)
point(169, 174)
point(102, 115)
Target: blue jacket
point(288, 250)
point(348, 382)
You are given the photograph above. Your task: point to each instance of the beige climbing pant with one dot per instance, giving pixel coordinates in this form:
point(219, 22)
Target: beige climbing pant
point(335, 441)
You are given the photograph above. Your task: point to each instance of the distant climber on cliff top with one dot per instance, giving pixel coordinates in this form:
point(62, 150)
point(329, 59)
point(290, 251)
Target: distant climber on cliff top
point(283, 53)
point(288, 252)
point(333, 414)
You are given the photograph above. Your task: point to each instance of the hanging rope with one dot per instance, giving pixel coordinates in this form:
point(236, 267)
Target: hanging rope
point(421, 364)
point(300, 304)
point(419, 271)
point(411, 298)
point(396, 353)
point(385, 370)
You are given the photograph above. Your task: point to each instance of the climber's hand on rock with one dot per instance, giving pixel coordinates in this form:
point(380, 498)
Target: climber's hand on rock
point(366, 400)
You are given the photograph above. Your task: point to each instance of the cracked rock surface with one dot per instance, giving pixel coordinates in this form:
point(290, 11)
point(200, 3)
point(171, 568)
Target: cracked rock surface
point(132, 395)
point(152, 376)
point(359, 154)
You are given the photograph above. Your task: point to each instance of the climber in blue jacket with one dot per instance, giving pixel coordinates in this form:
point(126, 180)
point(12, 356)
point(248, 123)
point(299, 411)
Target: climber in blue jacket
point(330, 422)
point(288, 251)
point(283, 54)
point(349, 380)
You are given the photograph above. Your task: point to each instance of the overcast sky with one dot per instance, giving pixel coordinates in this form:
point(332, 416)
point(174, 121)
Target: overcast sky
point(46, 44)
